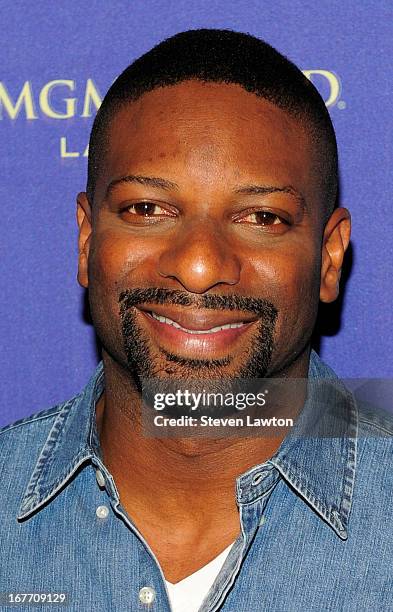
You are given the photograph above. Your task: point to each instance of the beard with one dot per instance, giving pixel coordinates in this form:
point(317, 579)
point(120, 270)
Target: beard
point(142, 363)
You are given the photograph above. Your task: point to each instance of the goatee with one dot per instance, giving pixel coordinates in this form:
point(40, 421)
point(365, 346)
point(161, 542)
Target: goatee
point(143, 364)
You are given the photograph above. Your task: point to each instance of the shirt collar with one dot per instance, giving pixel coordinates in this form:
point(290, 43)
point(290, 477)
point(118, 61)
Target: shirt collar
point(72, 441)
point(321, 469)
point(318, 457)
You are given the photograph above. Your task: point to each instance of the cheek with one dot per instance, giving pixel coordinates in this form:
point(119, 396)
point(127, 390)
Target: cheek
point(117, 262)
point(290, 279)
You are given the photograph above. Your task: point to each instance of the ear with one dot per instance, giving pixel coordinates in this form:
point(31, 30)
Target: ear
point(83, 215)
point(334, 244)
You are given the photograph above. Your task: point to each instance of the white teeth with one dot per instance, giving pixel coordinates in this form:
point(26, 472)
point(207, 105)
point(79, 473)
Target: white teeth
point(195, 331)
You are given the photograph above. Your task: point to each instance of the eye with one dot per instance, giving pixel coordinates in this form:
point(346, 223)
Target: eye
point(263, 218)
point(146, 212)
point(147, 209)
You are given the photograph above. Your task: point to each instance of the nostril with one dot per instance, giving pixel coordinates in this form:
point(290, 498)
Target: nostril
point(199, 264)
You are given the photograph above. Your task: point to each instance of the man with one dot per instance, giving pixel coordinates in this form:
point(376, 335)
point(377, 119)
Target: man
point(207, 236)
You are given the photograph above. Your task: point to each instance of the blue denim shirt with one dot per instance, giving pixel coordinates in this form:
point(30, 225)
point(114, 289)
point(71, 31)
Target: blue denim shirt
point(316, 520)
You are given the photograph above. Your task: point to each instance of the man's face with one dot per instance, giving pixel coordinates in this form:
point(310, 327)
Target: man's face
point(204, 249)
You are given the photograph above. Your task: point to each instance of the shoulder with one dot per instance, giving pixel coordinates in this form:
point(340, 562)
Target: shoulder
point(375, 457)
point(61, 427)
point(374, 421)
point(22, 443)
point(22, 440)
point(36, 420)
point(374, 399)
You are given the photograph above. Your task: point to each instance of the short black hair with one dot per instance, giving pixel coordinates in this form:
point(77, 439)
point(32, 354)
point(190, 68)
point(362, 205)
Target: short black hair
point(222, 56)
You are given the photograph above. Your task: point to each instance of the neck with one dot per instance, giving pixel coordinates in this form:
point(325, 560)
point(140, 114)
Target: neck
point(166, 469)
point(179, 493)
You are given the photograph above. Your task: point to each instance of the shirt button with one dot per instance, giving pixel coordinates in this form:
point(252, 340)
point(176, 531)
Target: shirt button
point(102, 512)
point(147, 595)
point(100, 478)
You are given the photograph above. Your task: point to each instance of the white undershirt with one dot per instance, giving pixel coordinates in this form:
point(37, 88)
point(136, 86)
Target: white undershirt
point(188, 594)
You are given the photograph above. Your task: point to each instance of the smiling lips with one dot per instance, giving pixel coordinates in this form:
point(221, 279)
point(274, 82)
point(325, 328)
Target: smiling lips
point(198, 332)
point(212, 330)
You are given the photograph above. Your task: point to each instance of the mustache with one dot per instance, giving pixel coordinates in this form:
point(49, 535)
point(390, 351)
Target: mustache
point(159, 295)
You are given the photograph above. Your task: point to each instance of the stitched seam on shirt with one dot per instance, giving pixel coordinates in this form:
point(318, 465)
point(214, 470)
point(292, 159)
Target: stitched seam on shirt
point(348, 482)
point(375, 425)
point(299, 483)
point(43, 463)
point(11, 427)
point(55, 486)
point(223, 586)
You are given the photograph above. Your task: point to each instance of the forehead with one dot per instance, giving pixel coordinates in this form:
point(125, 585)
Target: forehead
point(207, 132)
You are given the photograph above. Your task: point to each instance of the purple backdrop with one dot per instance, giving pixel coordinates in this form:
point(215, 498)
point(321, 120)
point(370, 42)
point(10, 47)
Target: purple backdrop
point(58, 60)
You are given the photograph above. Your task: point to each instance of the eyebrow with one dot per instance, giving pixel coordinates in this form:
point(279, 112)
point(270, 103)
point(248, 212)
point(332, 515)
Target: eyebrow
point(267, 189)
point(150, 181)
point(161, 183)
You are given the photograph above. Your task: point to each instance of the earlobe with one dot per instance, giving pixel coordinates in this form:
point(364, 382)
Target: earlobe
point(335, 242)
point(83, 214)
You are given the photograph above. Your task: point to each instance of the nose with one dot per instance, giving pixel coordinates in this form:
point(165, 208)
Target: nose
point(200, 258)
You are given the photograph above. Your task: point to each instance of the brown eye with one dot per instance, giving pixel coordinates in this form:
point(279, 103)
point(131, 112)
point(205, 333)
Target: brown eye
point(145, 209)
point(146, 213)
point(266, 221)
point(263, 217)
